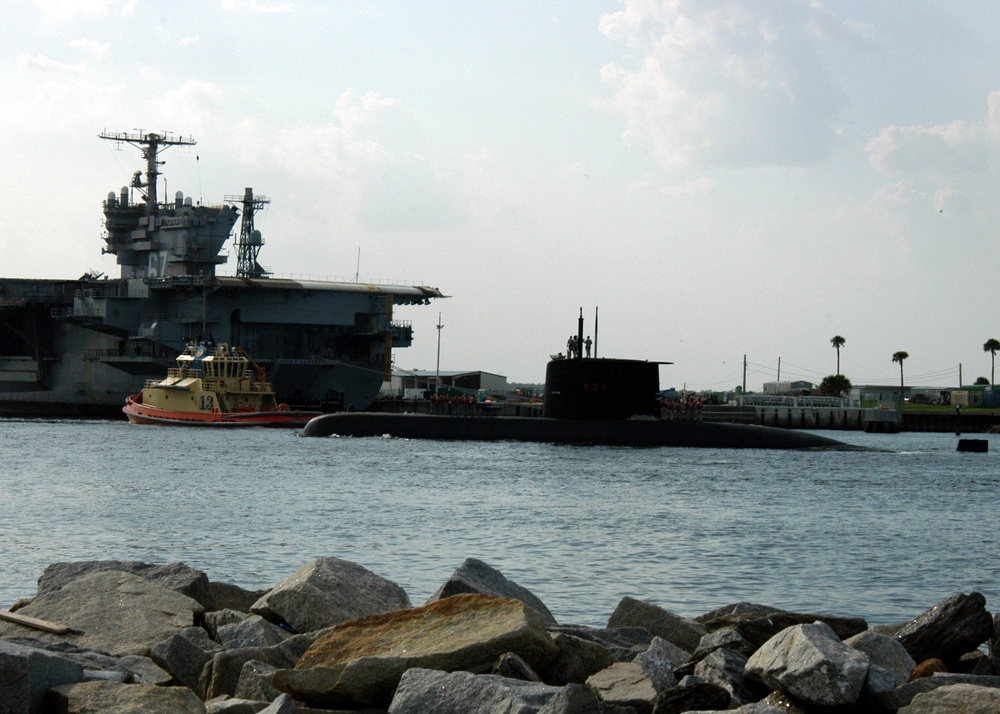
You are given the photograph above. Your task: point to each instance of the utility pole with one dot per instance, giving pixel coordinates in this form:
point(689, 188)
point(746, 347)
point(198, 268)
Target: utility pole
point(744, 374)
point(779, 369)
point(437, 370)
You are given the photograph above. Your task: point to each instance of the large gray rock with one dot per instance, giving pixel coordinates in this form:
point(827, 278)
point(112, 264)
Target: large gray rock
point(232, 705)
point(222, 674)
point(730, 639)
point(575, 699)
point(185, 654)
point(727, 669)
point(695, 695)
point(901, 696)
point(284, 704)
point(253, 631)
point(226, 596)
point(425, 690)
point(475, 576)
point(812, 664)
point(329, 591)
point(955, 699)
point(215, 619)
point(27, 672)
point(673, 628)
point(110, 698)
point(143, 670)
point(577, 659)
point(658, 664)
point(949, 629)
point(624, 684)
point(758, 627)
point(885, 652)
point(89, 659)
point(622, 642)
point(113, 611)
point(739, 609)
point(361, 662)
point(173, 576)
point(255, 682)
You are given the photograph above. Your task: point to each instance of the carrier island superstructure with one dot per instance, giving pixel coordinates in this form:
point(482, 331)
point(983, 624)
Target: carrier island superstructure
point(80, 347)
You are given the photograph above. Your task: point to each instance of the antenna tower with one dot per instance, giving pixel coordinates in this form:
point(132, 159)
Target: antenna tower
point(250, 242)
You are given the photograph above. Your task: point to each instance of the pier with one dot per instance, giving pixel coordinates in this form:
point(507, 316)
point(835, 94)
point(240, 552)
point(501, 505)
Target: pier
point(861, 419)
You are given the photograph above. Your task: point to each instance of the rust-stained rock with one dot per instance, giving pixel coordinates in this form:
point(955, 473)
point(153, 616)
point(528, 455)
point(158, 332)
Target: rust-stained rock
point(475, 576)
point(928, 668)
point(361, 662)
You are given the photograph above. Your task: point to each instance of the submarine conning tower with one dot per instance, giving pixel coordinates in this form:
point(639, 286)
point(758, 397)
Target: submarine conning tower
point(578, 387)
point(600, 388)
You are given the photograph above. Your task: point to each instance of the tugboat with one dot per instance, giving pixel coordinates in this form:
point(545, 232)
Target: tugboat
point(213, 386)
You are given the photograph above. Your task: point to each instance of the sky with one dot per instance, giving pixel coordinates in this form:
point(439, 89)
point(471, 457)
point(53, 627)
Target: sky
point(718, 178)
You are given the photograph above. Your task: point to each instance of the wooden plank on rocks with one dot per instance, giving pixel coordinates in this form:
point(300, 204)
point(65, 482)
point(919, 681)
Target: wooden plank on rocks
point(34, 622)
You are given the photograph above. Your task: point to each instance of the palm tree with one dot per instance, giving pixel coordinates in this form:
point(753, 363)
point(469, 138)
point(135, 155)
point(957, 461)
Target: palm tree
point(992, 346)
point(838, 342)
point(899, 357)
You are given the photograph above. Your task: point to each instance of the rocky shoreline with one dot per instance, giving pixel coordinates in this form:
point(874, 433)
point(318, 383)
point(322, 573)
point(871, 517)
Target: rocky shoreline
point(113, 636)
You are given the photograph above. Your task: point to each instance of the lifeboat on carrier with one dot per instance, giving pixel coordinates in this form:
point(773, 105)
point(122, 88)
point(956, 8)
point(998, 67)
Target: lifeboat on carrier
point(213, 385)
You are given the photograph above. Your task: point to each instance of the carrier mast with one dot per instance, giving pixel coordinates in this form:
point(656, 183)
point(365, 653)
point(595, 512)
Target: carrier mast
point(150, 145)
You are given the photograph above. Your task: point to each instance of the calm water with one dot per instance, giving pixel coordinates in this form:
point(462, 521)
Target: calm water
point(877, 535)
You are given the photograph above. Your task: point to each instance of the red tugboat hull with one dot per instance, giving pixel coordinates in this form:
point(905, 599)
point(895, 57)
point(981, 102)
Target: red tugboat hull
point(139, 413)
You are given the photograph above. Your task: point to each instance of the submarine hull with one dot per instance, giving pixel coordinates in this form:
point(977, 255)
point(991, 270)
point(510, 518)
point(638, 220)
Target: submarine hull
point(635, 432)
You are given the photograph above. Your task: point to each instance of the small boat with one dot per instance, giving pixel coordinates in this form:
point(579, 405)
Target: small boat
point(213, 386)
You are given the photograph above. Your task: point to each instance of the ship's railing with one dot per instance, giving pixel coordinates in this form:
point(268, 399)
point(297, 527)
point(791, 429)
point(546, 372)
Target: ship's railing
point(304, 277)
point(395, 327)
point(100, 290)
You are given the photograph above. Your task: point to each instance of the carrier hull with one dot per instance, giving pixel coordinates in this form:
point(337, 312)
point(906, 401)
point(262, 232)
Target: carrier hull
point(77, 348)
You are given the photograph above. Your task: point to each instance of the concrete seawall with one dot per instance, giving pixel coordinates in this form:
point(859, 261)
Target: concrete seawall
point(854, 418)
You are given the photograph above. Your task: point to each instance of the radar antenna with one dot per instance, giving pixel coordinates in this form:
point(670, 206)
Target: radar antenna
point(150, 145)
point(250, 242)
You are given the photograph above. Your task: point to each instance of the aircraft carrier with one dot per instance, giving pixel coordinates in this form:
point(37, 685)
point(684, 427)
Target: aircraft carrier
point(80, 347)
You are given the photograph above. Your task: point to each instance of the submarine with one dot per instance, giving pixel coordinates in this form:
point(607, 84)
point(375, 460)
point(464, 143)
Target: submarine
point(587, 400)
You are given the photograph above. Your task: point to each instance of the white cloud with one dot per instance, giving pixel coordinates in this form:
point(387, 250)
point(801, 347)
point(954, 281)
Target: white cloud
point(41, 63)
point(57, 11)
point(724, 83)
point(697, 187)
point(367, 161)
point(192, 106)
point(958, 147)
point(255, 7)
point(94, 48)
point(148, 74)
point(190, 40)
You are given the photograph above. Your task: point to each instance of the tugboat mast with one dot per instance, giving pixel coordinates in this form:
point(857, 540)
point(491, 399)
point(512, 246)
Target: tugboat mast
point(149, 144)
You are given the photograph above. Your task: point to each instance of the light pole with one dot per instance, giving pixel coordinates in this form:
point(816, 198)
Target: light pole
point(437, 370)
